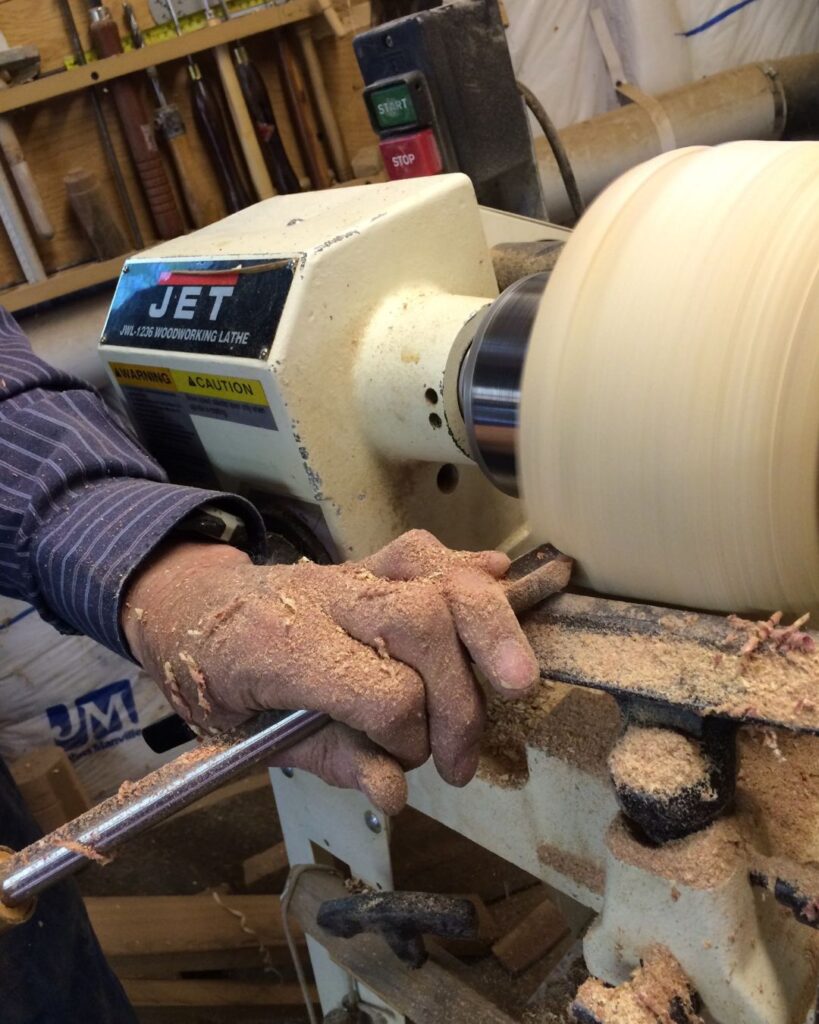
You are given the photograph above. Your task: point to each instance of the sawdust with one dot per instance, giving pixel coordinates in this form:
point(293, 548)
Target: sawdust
point(657, 761)
point(778, 792)
point(710, 673)
point(577, 725)
point(584, 872)
point(701, 861)
point(657, 993)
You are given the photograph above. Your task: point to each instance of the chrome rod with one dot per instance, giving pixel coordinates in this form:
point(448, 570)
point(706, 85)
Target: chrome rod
point(139, 805)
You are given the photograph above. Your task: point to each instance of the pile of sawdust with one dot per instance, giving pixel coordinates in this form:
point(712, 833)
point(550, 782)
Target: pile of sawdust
point(657, 761)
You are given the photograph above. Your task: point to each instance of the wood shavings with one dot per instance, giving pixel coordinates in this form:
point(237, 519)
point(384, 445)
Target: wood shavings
point(770, 633)
point(267, 958)
point(657, 993)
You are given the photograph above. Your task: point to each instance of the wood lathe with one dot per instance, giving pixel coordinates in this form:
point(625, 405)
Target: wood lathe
point(344, 359)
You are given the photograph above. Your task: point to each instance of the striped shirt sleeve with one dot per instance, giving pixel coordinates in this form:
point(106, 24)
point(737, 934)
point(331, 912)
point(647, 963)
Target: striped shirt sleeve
point(82, 504)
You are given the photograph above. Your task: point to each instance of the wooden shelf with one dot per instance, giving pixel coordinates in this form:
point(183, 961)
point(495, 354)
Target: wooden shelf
point(100, 71)
point(64, 282)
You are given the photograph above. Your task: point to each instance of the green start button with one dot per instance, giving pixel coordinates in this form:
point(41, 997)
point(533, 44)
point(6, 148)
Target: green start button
point(393, 106)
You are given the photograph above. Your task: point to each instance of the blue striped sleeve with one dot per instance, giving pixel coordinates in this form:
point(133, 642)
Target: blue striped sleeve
point(82, 504)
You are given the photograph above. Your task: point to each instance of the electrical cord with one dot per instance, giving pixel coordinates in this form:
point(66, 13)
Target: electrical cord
point(557, 147)
point(293, 879)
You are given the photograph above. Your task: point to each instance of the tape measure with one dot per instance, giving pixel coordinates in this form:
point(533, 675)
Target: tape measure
point(162, 32)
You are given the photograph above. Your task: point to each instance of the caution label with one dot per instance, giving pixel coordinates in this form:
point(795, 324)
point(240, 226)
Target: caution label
point(232, 389)
point(164, 402)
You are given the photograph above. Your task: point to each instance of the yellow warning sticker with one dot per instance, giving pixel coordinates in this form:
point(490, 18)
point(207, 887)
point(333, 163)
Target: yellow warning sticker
point(130, 375)
point(238, 400)
point(210, 385)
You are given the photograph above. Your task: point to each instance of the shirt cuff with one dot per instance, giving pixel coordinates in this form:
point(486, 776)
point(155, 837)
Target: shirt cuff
point(87, 554)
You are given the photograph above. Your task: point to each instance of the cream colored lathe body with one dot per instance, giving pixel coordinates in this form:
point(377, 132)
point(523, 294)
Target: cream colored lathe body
point(388, 283)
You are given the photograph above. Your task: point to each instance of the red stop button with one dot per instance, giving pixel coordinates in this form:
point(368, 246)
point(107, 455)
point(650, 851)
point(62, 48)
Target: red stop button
point(411, 156)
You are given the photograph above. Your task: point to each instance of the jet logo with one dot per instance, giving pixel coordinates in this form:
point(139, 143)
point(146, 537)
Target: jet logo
point(186, 293)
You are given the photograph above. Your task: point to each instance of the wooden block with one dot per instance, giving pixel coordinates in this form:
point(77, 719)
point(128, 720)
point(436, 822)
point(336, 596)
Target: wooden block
point(268, 862)
point(532, 938)
point(211, 992)
point(162, 925)
point(50, 786)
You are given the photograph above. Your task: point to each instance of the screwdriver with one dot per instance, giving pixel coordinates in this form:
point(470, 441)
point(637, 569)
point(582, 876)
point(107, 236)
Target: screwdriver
point(138, 130)
point(264, 120)
point(168, 120)
point(211, 124)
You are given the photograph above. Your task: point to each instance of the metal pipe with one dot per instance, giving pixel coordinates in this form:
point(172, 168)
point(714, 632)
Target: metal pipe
point(134, 808)
point(768, 100)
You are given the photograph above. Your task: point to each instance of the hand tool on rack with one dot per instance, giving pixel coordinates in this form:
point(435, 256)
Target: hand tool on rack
point(211, 124)
point(240, 115)
point(298, 106)
point(138, 130)
point(93, 835)
point(18, 233)
point(258, 103)
point(329, 124)
point(168, 119)
point(91, 209)
point(10, 144)
point(105, 134)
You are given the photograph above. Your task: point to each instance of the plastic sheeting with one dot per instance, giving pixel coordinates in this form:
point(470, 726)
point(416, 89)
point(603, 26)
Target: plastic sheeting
point(661, 44)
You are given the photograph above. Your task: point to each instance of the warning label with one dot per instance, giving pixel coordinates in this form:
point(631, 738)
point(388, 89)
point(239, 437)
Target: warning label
point(232, 399)
point(164, 402)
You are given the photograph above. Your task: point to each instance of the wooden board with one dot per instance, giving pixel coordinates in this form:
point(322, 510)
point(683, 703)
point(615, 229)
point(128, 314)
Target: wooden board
point(211, 992)
point(151, 925)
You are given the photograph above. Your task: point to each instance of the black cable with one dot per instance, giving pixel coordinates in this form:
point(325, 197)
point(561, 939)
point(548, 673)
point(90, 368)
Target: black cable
point(557, 147)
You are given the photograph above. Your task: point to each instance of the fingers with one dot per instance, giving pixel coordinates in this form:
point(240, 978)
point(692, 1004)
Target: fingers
point(413, 554)
point(488, 627)
point(319, 666)
point(347, 759)
point(412, 623)
point(418, 553)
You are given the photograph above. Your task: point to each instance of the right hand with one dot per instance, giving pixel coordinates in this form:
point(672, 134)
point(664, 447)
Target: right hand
point(384, 646)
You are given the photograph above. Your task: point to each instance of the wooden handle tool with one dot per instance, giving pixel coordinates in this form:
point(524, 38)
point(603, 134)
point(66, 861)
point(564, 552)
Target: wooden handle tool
point(324, 108)
point(139, 132)
point(202, 207)
point(298, 106)
point(92, 210)
point(242, 122)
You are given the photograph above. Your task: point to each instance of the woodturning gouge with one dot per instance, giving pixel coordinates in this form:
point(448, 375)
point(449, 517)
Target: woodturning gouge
point(137, 806)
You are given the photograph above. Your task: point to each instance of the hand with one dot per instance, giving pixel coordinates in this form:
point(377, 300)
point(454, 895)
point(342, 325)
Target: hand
point(383, 646)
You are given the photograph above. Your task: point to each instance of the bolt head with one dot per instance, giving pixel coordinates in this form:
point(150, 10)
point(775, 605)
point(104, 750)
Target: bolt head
point(288, 772)
point(372, 821)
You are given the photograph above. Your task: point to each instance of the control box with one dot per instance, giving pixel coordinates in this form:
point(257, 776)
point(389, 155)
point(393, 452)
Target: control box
point(441, 94)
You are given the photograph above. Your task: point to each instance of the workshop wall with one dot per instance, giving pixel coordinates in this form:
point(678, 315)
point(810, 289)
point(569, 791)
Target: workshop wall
point(61, 134)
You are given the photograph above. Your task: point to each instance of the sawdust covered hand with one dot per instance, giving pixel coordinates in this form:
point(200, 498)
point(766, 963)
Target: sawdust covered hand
point(384, 646)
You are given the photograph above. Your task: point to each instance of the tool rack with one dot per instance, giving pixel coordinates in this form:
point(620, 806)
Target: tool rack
point(26, 100)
